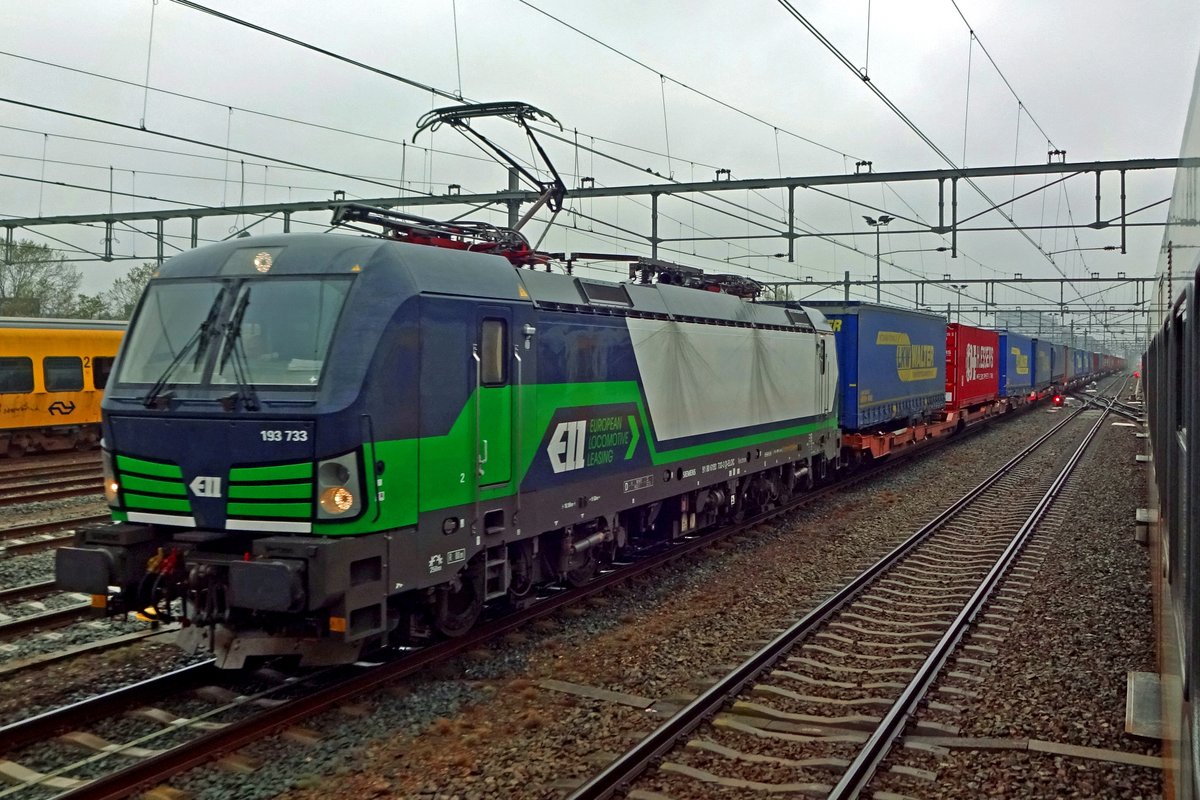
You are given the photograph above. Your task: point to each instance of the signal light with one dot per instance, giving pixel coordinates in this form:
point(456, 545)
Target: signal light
point(1058, 401)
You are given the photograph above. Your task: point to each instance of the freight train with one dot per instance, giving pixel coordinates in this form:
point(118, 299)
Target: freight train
point(52, 375)
point(318, 444)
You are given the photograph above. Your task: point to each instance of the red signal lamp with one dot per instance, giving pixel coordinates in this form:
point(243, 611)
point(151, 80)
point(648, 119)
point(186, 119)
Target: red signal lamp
point(1058, 400)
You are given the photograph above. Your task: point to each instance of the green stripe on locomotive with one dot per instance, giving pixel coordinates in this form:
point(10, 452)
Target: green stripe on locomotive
point(429, 474)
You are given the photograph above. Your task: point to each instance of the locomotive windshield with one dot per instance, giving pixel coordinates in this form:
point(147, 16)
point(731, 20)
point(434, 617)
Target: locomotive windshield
point(262, 332)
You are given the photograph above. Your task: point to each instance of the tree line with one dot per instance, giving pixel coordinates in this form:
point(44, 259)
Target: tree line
point(37, 281)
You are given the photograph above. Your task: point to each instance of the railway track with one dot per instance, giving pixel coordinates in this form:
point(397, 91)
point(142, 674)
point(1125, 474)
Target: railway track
point(89, 469)
point(44, 464)
point(28, 591)
point(841, 683)
point(35, 537)
point(24, 609)
point(13, 626)
point(323, 691)
point(20, 493)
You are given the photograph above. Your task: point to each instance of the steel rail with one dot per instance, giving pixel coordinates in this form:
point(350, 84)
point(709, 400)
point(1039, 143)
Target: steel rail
point(54, 618)
point(619, 773)
point(863, 768)
point(48, 723)
point(33, 529)
point(1136, 409)
point(211, 745)
point(84, 488)
point(24, 466)
point(1113, 408)
point(9, 479)
point(36, 545)
point(10, 667)
point(14, 593)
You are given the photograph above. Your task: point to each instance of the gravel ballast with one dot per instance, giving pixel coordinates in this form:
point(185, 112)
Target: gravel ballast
point(1060, 673)
point(662, 639)
point(485, 727)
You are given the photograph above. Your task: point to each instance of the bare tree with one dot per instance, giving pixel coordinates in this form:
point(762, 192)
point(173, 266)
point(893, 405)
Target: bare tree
point(122, 297)
point(35, 281)
point(778, 293)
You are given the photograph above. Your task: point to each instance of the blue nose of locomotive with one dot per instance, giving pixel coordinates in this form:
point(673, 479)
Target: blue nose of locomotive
point(215, 474)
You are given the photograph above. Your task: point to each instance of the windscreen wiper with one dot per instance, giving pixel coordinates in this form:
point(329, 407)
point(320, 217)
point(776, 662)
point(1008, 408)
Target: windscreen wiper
point(233, 348)
point(200, 340)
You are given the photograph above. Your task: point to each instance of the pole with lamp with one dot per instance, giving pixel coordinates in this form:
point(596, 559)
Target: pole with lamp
point(883, 220)
point(958, 290)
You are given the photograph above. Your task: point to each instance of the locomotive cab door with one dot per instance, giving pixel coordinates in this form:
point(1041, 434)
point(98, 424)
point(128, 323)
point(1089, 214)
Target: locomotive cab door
point(492, 354)
point(821, 368)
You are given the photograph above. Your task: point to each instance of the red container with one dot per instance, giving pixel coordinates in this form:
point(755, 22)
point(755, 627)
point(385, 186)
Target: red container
point(972, 371)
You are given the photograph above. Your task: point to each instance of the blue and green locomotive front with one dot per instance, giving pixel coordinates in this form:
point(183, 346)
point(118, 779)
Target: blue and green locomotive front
point(313, 442)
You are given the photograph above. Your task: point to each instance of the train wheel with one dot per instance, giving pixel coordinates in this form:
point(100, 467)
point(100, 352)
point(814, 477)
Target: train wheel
point(458, 604)
point(521, 580)
point(581, 568)
point(15, 450)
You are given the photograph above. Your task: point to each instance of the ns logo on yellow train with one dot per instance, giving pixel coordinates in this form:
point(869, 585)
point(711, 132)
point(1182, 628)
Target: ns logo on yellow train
point(914, 362)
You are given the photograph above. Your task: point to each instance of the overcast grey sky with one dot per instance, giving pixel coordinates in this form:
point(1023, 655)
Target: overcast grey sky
point(1103, 79)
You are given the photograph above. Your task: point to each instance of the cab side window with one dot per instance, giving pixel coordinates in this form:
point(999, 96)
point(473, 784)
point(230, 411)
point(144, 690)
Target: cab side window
point(101, 369)
point(493, 371)
point(16, 375)
point(63, 373)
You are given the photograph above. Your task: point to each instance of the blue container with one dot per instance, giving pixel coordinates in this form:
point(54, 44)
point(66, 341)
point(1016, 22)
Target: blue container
point(1043, 361)
point(1016, 365)
point(891, 363)
point(1058, 362)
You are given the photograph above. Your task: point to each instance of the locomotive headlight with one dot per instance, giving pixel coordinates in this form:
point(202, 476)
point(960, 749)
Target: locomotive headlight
point(337, 500)
point(112, 486)
point(339, 487)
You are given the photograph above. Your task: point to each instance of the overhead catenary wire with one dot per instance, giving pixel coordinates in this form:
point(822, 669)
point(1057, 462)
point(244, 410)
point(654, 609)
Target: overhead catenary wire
point(662, 76)
point(747, 212)
point(306, 45)
point(1021, 105)
point(837, 53)
point(682, 84)
point(428, 152)
point(198, 142)
point(149, 52)
point(220, 104)
point(185, 176)
point(967, 102)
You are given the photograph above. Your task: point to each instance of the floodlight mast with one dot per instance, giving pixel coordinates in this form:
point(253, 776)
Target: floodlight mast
point(883, 220)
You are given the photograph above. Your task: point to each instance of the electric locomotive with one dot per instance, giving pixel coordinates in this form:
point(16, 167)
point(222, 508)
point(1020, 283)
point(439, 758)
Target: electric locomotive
point(318, 444)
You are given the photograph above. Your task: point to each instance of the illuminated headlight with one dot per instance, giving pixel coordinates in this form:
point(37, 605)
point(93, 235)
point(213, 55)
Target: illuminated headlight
point(112, 486)
point(339, 488)
point(337, 500)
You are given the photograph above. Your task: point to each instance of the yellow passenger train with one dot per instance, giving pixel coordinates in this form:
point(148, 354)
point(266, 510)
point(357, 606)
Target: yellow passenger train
point(52, 374)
